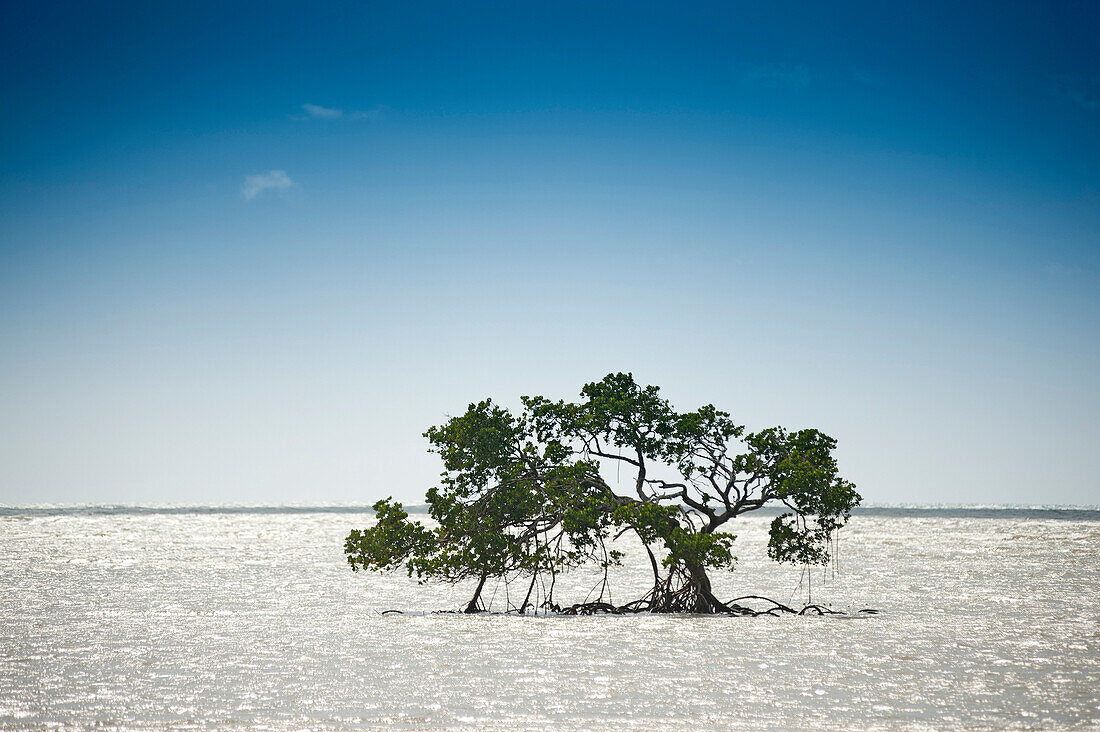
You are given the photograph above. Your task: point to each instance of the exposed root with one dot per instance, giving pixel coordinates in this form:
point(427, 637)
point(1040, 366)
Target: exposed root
point(591, 608)
point(777, 605)
point(685, 590)
point(678, 602)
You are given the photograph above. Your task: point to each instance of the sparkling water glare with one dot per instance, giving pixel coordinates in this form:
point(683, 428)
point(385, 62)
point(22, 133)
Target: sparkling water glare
point(200, 619)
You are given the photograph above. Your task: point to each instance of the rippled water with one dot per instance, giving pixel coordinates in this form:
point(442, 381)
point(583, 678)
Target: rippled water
point(253, 619)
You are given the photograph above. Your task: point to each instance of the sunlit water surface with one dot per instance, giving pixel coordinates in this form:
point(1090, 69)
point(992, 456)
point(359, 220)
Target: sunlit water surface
point(199, 619)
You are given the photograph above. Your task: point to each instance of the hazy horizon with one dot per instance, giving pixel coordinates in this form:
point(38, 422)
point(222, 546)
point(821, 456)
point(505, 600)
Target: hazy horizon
point(251, 257)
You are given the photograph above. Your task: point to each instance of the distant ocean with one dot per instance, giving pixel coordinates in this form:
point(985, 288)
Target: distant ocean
point(234, 616)
point(1067, 513)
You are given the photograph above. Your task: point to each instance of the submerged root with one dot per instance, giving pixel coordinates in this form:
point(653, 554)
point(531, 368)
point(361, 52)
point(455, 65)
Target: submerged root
point(682, 601)
point(684, 590)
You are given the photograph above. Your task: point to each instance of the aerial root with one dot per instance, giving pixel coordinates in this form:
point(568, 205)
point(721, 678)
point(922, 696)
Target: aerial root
point(679, 602)
point(777, 609)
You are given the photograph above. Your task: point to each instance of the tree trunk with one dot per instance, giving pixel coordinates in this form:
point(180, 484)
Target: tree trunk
point(705, 602)
point(527, 600)
point(475, 601)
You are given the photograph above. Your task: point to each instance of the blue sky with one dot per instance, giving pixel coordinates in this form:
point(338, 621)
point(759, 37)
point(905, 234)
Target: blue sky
point(250, 253)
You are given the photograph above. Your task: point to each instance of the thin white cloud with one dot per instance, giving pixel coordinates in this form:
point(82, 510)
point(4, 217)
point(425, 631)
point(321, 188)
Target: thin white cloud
point(316, 111)
point(776, 76)
point(1081, 91)
point(272, 180)
point(367, 113)
point(1058, 269)
point(1083, 99)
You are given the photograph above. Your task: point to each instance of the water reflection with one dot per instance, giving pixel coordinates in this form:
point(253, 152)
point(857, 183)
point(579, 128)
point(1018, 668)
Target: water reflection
point(224, 619)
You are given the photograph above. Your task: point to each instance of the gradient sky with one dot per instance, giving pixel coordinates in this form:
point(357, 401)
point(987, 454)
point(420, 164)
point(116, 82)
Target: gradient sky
point(250, 252)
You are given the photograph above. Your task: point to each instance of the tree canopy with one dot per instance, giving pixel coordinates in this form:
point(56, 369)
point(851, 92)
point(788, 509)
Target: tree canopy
point(523, 496)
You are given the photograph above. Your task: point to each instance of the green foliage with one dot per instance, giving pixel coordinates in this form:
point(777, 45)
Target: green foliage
point(803, 470)
point(391, 541)
point(702, 550)
point(525, 494)
point(792, 538)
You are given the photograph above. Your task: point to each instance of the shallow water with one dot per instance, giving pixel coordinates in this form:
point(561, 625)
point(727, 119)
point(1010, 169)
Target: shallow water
point(205, 619)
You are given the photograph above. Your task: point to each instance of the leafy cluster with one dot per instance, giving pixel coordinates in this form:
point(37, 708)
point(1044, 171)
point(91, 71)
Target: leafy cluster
point(525, 494)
